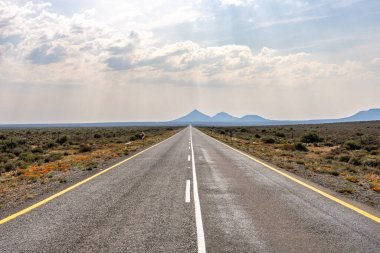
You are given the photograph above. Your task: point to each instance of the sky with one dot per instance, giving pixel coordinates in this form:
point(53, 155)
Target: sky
point(140, 60)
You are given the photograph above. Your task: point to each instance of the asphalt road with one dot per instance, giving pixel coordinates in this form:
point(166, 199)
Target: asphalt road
point(230, 204)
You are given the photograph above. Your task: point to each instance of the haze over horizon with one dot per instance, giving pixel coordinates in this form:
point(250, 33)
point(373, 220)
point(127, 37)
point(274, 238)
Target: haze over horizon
point(101, 61)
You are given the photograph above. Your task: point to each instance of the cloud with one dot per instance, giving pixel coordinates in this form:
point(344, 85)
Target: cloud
point(118, 63)
point(42, 48)
point(288, 21)
point(45, 54)
point(79, 44)
point(238, 2)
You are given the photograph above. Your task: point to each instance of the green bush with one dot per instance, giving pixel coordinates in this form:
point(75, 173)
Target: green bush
point(300, 147)
point(37, 150)
point(268, 140)
point(50, 145)
point(84, 148)
point(352, 145)
point(92, 165)
point(370, 148)
point(62, 140)
point(288, 147)
point(344, 158)
point(53, 157)
point(371, 163)
point(8, 167)
point(29, 157)
point(355, 161)
point(97, 136)
point(279, 134)
point(17, 151)
point(310, 137)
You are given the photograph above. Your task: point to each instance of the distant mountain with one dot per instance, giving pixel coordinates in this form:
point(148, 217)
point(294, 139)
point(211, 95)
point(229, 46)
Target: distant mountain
point(253, 118)
point(194, 116)
point(223, 117)
point(369, 115)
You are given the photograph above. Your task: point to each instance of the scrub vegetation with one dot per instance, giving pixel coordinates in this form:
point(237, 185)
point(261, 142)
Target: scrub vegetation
point(36, 161)
point(344, 157)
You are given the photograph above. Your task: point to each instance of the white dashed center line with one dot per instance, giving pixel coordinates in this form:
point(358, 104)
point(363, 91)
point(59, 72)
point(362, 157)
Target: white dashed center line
point(187, 193)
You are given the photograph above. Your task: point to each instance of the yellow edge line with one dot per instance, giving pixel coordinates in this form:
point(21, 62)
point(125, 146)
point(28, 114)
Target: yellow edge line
point(42, 202)
point(337, 200)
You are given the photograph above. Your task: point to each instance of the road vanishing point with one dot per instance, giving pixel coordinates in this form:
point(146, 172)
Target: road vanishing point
point(191, 193)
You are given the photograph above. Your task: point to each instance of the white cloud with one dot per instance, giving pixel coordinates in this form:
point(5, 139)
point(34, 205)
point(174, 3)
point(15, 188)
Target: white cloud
point(80, 44)
point(39, 47)
point(238, 2)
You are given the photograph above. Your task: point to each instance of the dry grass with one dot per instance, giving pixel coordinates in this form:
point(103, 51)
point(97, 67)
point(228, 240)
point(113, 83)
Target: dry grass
point(40, 159)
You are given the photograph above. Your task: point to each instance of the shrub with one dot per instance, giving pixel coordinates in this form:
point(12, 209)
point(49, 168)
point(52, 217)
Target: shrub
point(310, 138)
point(50, 145)
point(222, 132)
point(352, 145)
point(288, 147)
point(3, 158)
point(279, 134)
point(62, 140)
point(97, 136)
point(268, 140)
point(300, 146)
point(371, 163)
point(2, 137)
point(370, 148)
point(344, 158)
point(21, 142)
point(53, 157)
point(8, 167)
point(352, 179)
point(37, 150)
point(346, 190)
point(16, 151)
point(92, 165)
point(29, 157)
point(355, 161)
point(243, 130)
point(10, 145)
point(84, 148)
point(257, 136)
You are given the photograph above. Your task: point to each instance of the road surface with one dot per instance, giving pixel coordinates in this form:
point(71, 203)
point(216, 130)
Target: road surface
point(190, 193)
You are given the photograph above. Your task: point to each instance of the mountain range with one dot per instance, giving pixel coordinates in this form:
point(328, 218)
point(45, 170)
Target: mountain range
point(220, 119)
point(198, 118)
